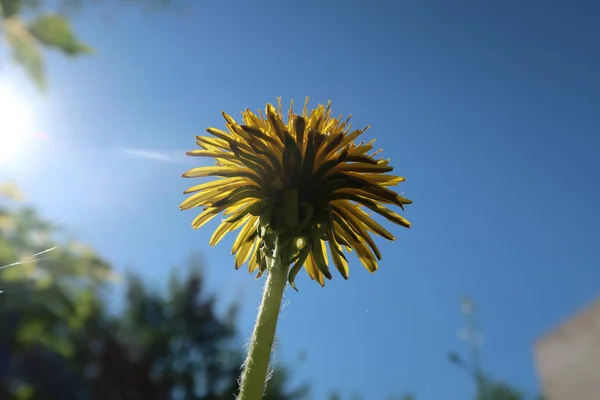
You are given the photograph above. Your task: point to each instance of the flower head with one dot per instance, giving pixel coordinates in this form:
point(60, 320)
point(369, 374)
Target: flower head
point(304, 185)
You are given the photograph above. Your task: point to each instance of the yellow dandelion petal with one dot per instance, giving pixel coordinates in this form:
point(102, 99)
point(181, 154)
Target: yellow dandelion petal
point(210, 153)
point(197, 199)
point(362, 167)
point(339, 260)
point(209, 143)
point(320, 258)
point(206, 197)
point(228, 118)
point(206, 216)
point(216, 184)
point(243, 253)
point(256, 135)
point(329, 145)
point(331, 126)
point(244, 234)
point(358, 227)
point(371, 193)
point(222, 171)
point(365, 256)
point(313, 271)
point(253, 264)
point(278, 180)
point(221, 135)
point(369, 222)
point(224, 228)
point(250, 119)
point(275, 122)
point(345, 230)
point(382, 179)
point(351, 137)
point(242, 209)
point(291, 115)
point(373, 206)
point(392, 216)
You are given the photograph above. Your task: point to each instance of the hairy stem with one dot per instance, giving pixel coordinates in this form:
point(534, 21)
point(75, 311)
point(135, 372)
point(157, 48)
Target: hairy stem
point(256, 365)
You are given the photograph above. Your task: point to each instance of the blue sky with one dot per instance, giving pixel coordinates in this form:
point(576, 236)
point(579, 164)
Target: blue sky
point(490, 109)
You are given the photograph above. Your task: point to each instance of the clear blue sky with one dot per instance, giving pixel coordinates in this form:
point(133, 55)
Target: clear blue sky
point(490, 109)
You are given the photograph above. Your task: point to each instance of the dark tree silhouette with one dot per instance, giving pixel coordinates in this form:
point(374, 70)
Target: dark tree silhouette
point(59, 342)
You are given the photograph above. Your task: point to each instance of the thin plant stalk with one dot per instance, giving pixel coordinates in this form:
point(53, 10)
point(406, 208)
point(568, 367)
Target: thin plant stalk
point(256, 366)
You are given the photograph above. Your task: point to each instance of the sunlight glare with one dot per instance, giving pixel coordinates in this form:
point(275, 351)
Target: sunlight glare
point(16, 124)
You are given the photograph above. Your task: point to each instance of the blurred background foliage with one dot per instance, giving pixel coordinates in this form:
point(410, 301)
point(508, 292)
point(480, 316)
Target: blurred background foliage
point(28, 28)
point(60, 340)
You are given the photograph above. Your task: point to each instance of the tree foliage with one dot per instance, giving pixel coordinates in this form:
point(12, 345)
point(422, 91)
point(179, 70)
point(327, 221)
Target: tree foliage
point(357, 396)
point(495, 390)
point(29, 27)
point(58, 339)
point(486, 387)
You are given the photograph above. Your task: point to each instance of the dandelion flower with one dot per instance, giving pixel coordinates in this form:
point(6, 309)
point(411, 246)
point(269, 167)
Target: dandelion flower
point(303, 185)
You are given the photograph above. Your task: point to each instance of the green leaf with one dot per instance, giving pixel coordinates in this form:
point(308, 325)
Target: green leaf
point(9, 8)
point(25, 50)
point(55, 31)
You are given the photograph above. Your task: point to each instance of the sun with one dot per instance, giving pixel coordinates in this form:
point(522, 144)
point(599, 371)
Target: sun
point(16, 124)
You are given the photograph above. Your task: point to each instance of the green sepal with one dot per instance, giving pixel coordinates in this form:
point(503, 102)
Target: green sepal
point(291, 212)
point(308, 161)
point(292, 157)
point(299, 126)
point(302, 256)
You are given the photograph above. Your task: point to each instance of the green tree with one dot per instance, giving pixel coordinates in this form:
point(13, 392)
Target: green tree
point(49, 291)
point(486, 388)
point(499, 391)
point(337, 396)
point(58, 340)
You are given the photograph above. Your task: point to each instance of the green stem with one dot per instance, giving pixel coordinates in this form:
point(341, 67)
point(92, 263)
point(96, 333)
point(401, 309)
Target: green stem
point(256, 366)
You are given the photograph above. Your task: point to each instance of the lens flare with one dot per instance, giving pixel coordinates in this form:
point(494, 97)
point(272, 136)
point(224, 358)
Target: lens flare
point(16, 124)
